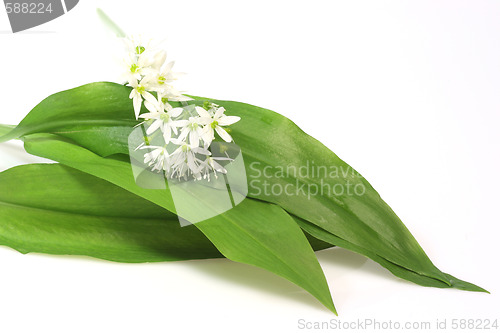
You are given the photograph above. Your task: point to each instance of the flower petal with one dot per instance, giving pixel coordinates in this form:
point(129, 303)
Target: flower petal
point(179, 123)
point(168, 67)
point(207, 135)
point(202, 112)
point(137, 105)
point(199, 150)
point(228, 120)
point(223, 134)
point(167, 134)
point(152, 107)
point(148, 116)
point(149, 97)
point(194, 138)
point(219, 113)
point(159, 59)
point(154, 126)
point(175, 112)
point(183, 135)
point(180, 98)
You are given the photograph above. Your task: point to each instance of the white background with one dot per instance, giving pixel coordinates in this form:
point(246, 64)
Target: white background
point(407, 92)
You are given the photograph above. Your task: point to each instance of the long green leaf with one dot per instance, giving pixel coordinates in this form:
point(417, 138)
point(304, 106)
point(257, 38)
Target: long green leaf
point(83, 215)
point(4, 129)
point(51, 208)
point(92, 113)
point(267, 140)
point(33, 177)
point(121, 239)
point(92, 217)
point(254, 232)
point(272, 142)
point(393, 268)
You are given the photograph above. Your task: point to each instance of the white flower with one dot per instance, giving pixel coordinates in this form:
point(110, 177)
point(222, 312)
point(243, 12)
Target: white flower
point(185, 161)
point(139, 92)
point(193, 129)
point(137, 44)
point(145, 51)
point(183, 150)
point(215, 123)
point(157, 59)
point(158, 158)
point(210, 107)
point(132, 69)
point(173, 95)
point(137, 66)
point(141, 58)
point(211, 165)
point(163, 118)
point(160, 78)
point(161, 81)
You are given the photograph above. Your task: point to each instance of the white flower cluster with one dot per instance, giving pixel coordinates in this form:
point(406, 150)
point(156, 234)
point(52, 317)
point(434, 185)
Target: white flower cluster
point(178, 139)
point(147, 72)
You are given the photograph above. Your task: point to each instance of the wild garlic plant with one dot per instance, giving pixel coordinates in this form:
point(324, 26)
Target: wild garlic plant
point(182, 136)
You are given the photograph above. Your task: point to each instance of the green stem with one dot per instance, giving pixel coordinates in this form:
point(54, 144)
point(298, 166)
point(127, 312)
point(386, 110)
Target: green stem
point(110, 24)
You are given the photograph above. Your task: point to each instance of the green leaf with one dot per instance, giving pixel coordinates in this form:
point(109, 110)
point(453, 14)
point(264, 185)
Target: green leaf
point(393, 268)
point(365, 223)
point(268, 141)
point(4, 129)
point(94, 113)
point(253, 232)
point(84, 215)
point(51, 208)
point(273, 143)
